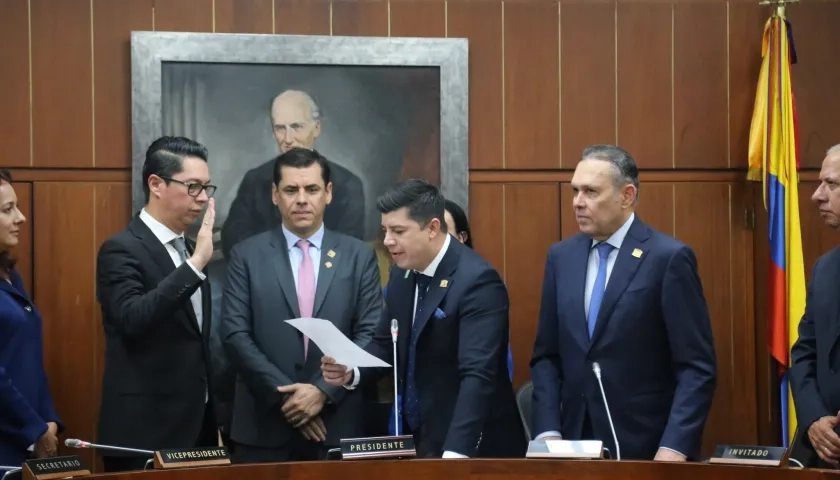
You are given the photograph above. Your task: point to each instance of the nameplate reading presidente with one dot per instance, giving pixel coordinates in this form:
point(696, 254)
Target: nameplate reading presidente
point(55, 467)
point(192, 457)
point(750, 455)
point(401, 446)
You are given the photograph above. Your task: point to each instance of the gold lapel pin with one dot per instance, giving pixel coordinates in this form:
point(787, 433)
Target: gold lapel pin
point(637, 253)
point(331, 253)
point(444, 283)
point(328, 264)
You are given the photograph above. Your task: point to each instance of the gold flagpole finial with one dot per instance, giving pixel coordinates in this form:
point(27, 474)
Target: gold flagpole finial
point(780, 5)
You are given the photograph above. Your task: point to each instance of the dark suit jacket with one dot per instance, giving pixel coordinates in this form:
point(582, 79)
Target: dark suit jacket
point(653, 340)
point(156, 369)
point(252, 211)
point(267, 352)
point(466, 398)
point(25, 401)
point(815, 360)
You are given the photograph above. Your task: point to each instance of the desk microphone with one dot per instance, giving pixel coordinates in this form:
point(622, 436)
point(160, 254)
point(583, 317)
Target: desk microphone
point(10, 471)
point(597, 369)
point(395, 330)
point(76, 443)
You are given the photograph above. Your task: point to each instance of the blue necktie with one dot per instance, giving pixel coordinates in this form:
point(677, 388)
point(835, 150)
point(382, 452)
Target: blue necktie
point(600, 285)
point(411, 404)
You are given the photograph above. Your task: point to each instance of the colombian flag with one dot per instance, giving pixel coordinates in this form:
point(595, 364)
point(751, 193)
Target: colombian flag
point(774, 160)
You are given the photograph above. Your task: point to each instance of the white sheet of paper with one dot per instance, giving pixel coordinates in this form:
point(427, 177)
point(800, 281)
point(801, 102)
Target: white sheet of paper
point(335, 344)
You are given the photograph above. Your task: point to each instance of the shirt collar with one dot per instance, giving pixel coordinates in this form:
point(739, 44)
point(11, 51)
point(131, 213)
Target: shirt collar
point(432, 268)
point(617, 238)
point(161, 231)
point(315, 239)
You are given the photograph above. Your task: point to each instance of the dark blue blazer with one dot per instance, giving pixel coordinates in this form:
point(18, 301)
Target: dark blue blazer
point(815, 359)
point(466, 397)
point(653, 341)
point(25, 402)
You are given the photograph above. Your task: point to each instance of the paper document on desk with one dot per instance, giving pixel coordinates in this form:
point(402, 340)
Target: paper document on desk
point(335, 344)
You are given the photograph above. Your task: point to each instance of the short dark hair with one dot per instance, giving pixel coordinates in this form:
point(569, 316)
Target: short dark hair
point(424, 201)
point(7, 260)
point(301, 158)
point(626, 170)
point(462, 225)
point(165, 158)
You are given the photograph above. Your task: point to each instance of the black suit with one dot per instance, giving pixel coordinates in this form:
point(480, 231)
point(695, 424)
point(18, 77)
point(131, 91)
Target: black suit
point(156, 373)
point(815, 357)
point(252, 211)
point(465, 394)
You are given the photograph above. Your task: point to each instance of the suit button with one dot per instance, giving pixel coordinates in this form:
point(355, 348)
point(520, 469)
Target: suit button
point(832, 371)
point(298, 367)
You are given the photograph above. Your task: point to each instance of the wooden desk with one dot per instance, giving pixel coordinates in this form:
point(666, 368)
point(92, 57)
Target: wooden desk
point(480, 470)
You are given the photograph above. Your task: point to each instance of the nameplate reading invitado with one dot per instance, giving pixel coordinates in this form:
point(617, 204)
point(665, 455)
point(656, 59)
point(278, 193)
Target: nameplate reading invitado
point(401, 446)
point(55, 467)
point(581, 449)
point(750, 455)
point(192, 457)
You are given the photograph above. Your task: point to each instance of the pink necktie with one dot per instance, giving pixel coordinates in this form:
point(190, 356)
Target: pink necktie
point(306, 288)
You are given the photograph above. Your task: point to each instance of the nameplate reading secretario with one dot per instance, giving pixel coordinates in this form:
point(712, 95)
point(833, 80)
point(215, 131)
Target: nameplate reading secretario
point(192, 457)
point(750, 455)
point(55, 467)
point(582, 449)
point(401, 446)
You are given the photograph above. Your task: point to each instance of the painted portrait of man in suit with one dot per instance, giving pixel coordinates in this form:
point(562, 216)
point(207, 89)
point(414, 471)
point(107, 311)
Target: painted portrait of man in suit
point(376, 125)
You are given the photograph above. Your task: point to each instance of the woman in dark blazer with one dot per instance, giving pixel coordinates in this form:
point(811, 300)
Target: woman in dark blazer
point(28, 422)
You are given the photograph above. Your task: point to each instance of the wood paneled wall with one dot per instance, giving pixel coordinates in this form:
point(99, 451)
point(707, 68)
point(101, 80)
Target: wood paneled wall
point(670, 80)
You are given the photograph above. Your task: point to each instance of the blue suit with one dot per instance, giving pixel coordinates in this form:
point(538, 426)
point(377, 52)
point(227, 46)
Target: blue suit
point(465, 400)
point(25, 402)
point(392, 430)
point(652, 339)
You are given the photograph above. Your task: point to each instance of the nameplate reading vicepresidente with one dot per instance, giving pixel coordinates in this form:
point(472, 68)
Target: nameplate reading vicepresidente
point(750, 455)
point(401, 446)
point(192, 457)
point(55, 467)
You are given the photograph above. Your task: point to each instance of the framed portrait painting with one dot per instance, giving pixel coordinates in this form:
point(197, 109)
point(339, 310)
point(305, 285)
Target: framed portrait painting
point(379, 109)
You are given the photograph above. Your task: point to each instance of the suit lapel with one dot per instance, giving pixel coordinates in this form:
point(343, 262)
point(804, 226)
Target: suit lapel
point(577, 273)
point(13, 290)
point(438, 287)
point(283, 270)
point(330, 262)
point(206, 300)
point(164, 261)
point(630, 257)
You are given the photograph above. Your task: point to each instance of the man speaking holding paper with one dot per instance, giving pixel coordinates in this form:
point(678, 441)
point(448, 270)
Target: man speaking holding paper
point(451, 307)
point(283, 408)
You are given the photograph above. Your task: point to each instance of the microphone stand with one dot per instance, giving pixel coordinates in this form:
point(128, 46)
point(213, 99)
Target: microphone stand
point(394, 332)
point(9, 471)
point(597, 369)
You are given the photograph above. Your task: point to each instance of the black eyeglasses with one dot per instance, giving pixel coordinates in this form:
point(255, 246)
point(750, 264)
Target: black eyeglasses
point(194, 189)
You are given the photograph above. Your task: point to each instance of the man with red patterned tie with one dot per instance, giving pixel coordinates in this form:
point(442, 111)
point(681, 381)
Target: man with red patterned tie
point(283, 408)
